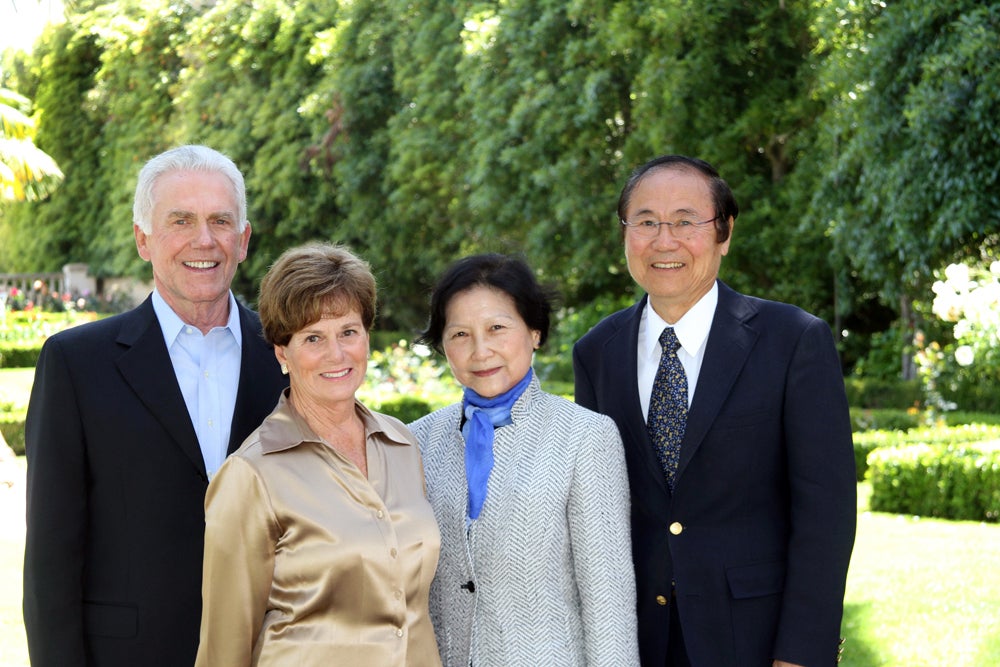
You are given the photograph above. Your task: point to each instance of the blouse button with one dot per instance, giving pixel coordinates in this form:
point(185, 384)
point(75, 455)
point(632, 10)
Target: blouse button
point(398, 594)
point(676, 528)
point(392, 552)
point(661, 600)
point(380, 514)
point(399, 632)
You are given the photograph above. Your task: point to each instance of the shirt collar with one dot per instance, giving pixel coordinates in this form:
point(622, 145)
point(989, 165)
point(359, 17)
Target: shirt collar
point(286, 428)
point(171, 324)
point(692, 329)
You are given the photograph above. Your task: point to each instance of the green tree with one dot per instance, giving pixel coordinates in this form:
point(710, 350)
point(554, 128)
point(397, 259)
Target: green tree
point(393, 144)
point(545, 94)
point(565, 99)
point(730, 82)
point(860, 139)
point(104, 79)
point(427, 218)
point(247, 90)
point(45, 235)
point(909, 143)
point(131, 100)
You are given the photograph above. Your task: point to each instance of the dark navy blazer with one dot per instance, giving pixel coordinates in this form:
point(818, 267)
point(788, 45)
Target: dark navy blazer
point(757, 536)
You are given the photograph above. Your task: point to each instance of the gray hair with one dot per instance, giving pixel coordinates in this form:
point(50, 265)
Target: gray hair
point(185, 158)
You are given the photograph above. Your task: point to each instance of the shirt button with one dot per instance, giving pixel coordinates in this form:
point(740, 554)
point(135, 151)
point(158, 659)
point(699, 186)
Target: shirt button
point(380, 514)
point(392, 552)
point(661, 600)
point(676, 528)
point(398, 594)
point(399, 632)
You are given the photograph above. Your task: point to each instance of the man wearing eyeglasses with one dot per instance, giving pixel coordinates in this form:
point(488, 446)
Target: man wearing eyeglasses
point(737, 437)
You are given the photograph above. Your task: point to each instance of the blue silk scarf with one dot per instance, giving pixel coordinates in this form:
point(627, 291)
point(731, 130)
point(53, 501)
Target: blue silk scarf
point(482, 416)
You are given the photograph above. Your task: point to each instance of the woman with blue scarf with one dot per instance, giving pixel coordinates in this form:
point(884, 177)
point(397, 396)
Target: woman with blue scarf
point(529, 490)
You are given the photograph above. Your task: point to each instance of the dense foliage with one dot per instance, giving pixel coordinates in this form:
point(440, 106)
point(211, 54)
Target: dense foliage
point(861, 137)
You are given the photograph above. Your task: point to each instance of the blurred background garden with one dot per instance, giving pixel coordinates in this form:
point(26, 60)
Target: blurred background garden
point(861, 137)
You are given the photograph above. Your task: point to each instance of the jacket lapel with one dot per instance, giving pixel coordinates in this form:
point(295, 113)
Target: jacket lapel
point(147, 369)
point(258, 365)
point(624, 393)
point(729, 343)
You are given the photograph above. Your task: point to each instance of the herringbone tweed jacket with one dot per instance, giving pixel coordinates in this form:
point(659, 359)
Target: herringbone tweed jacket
point(544, 576)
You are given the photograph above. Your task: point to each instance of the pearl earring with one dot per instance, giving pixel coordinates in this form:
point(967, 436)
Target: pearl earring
point(284, 368)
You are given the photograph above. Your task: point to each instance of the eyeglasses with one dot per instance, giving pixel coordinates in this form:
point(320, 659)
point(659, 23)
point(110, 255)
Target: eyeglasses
point(682, 229)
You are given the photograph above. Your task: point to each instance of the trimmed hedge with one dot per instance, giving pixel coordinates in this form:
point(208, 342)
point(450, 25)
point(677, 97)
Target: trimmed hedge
point(404, 408)
point(867, 442)
point(20, 354)
point(898, 394)
point(959, 417)
point(944, 481)
point(867, 419)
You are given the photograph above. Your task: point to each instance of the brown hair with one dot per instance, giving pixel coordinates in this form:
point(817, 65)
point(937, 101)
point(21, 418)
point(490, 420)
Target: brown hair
point(309, 281)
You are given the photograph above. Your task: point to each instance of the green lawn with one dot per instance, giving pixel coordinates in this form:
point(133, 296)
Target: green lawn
point(923, 592)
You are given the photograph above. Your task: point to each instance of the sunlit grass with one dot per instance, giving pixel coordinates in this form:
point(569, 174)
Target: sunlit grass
point(923, 592)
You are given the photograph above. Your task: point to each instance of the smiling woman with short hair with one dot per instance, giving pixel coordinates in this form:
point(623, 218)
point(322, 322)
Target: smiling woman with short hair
point(529, 490)
point(320, 545)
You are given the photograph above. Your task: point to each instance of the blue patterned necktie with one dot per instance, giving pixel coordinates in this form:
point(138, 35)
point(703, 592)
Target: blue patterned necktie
point(668, 406)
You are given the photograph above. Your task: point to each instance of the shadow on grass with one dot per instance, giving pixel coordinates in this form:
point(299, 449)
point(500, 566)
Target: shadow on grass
point(860, 647)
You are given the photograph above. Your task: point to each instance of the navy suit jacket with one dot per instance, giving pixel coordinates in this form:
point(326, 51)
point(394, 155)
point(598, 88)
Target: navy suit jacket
point(115, 490)
point(758, 533)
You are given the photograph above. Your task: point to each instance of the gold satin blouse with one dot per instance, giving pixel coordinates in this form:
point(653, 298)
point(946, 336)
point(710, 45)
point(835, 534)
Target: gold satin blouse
point(307, 562)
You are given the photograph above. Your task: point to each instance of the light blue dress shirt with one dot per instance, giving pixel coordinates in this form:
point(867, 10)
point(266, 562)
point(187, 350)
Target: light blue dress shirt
point(207, 367)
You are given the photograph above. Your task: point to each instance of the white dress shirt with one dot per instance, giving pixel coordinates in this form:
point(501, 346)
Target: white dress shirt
point(692, 332)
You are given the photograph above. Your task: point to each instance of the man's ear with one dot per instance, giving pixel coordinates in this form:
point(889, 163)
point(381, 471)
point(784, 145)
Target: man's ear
point(141, 243)
point(245, 241)
point(725, 244)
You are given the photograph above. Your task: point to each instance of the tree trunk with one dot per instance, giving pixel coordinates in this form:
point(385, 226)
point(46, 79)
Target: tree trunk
point(906, 314)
